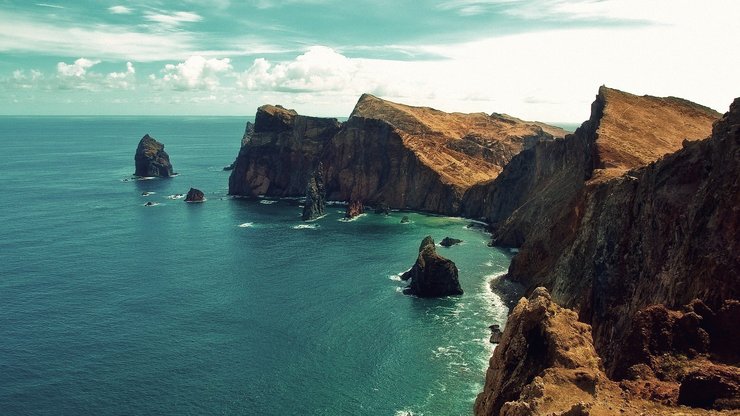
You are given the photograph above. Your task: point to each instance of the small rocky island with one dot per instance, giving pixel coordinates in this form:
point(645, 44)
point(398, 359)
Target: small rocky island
point(151, 159)
point(195, 195)
point(432, 276)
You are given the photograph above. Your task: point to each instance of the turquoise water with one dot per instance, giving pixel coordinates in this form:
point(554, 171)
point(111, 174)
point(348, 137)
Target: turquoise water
point(226, 307)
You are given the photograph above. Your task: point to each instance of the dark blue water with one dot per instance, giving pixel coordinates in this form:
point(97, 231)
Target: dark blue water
point(226, 307)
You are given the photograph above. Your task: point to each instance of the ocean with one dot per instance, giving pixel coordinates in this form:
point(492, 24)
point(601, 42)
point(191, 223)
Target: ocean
point(229, 307)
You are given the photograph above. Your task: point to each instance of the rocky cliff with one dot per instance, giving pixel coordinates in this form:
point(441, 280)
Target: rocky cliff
point(546, 364)
point(279, 153)
point(315, 204)
point(151, 160)
point(432, 276)
point(385, 154)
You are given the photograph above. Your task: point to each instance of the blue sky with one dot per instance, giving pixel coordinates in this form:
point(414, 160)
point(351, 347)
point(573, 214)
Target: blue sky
point(538, 59)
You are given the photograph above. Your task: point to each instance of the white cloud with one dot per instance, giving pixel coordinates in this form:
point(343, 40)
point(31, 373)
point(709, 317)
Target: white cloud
point(173, 19)
point(120, 10)
point(122, 80)
point(76, 69)
point(196, 73)
point(319, 69)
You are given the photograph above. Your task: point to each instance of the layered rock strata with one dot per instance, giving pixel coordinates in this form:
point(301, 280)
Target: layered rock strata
point(432, 275)
point(385, 154)
point(151, 160)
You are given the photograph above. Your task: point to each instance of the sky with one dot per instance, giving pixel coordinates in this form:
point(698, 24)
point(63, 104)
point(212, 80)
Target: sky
point(534, 59)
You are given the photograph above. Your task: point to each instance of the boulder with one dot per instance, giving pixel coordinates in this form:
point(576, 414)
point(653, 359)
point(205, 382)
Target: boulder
point(151, 160)
point(449, 241)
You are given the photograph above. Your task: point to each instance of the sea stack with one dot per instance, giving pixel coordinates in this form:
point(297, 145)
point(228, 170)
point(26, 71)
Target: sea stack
point(195, 195)
point(315, 204)
point(151, 159)
point(354, 209)
point(432, 276)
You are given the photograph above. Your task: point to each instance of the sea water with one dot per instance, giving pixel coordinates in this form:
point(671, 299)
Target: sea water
point(232, 306)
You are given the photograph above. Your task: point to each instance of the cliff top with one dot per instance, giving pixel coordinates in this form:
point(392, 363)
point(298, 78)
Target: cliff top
point(452, 144)
point(636, 130)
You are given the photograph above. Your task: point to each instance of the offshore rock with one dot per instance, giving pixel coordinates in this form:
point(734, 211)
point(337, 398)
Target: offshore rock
point(449, 242)
point(432, 275)
point(354, 209)
point(315, 204)
point(195, 195)
point(386, 153)
point(151, 160)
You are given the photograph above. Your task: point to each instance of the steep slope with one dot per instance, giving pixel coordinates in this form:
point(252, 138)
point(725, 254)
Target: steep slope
point(666, 233)
point(538, 191)
point(386, 153)
point(279, 153)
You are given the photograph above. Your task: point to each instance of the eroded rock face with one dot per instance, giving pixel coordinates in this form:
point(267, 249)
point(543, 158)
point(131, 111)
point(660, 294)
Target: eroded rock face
point(151, 160)
point(279, 153)
point(386, 153)
point(195, 195)
point(315, 204)
point(432, 276)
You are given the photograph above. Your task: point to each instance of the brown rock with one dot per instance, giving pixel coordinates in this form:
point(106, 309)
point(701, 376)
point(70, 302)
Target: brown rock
point(195, 195)
point(432, 276)
point(151, 160)
point(354, 209)
point(711, 387)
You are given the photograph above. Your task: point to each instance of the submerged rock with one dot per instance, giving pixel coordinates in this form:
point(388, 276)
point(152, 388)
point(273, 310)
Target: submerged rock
point(315, 204)
point(449, 241)
point(405, 220)
point(151, 159)
point(195, 195)
point(496, 334)
point(432, 276)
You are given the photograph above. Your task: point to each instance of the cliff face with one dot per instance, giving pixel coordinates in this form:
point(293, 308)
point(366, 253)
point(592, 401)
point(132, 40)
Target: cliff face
point(386, 153)
point(279, 153)
point(541, 188)
point(151, 159)
point(662, 234)
point(546, 364)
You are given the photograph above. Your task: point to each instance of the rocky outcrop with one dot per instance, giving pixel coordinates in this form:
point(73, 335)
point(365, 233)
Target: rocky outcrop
point(315, 204)
point(538, 193)
point(546, 364)
point(195, 195)
point(151, 160)
point(386, 153)
point(354, 209)
point(449, 242)
point(432, 275)
point(279, 153)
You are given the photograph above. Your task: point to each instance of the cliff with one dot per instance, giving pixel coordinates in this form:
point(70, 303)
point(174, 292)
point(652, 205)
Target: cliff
point(546, 364)
point(539, 190)
point(151, 160)
point(384, 154)
point(279, 153)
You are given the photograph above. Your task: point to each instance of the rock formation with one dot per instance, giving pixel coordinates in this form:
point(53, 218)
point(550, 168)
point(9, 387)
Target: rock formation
point(546, 364)
point(315, 204)
point(449, 242)
point(354, 209)
point(386, 153)
point(151, 160)
point(432, 275)
point(195, 195)
point(279, 153)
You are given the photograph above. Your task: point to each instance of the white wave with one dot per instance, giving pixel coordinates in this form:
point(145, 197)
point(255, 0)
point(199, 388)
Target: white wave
point(151, 204)
point(305, 226)
point(513, 250)
point(352, 219)
point(147, 193)
point(268, 201)
point(405, 412)
point(246, 225)
point(396, 277)
point(317, 218)
point(197, 202)
point(144, 178)
point(176, 196)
